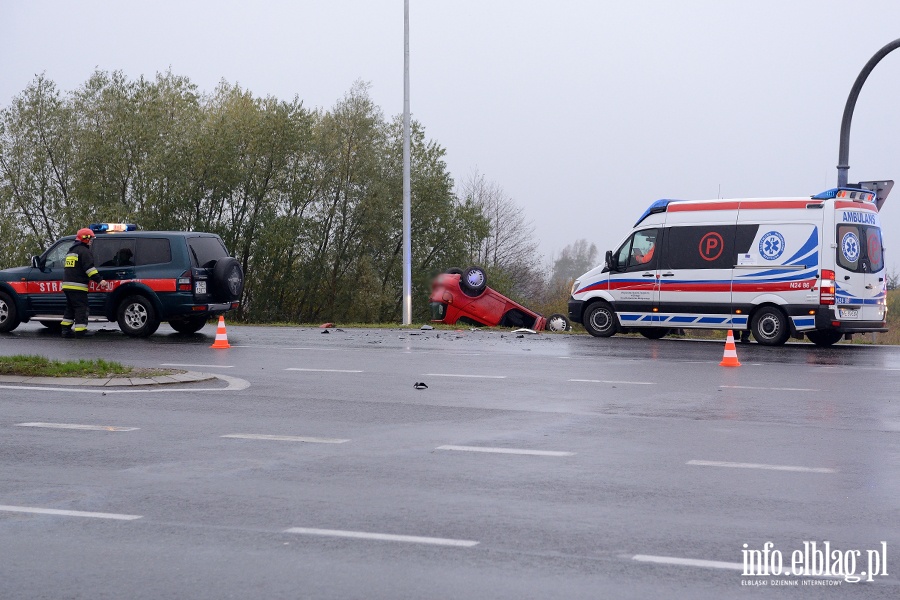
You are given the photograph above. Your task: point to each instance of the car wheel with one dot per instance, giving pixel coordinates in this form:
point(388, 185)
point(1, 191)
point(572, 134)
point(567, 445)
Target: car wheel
point(558, 322)
point(653, 333)
point(600, 320)
point(228, 279)
point(824, 338)
point(770, 327)
point(454, 271)
point(189, 325)
point(137, 317)
point(473, 281)
point(9, 316)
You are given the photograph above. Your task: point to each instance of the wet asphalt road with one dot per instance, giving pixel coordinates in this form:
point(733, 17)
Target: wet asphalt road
point(546, 466)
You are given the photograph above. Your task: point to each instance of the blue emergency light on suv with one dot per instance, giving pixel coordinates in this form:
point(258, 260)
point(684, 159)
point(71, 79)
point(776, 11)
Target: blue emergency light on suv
point(183, 277)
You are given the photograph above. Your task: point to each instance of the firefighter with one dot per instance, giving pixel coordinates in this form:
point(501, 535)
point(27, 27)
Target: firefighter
point(79, 271)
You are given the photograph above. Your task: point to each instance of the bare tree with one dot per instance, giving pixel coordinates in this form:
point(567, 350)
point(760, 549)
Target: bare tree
point(509, 252)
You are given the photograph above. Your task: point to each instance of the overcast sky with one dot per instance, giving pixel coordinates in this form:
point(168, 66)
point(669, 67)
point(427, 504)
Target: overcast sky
point(583, 111)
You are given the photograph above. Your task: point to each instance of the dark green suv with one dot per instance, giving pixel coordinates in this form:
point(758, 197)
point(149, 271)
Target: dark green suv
point(176, 276)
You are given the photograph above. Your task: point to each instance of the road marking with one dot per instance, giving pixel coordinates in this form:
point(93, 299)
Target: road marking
point(505, 450)
point(284, 438)
point(203, 366)
point(462, 375)
point(735, 465)
point(610, 381)
point(69, 513)
point(324, 370)
point(748, 387)
point(79, 427)
point(687, 562)
point(385, 537)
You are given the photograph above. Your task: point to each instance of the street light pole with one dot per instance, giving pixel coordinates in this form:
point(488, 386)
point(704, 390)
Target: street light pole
point(844, 151)
point(407, 242)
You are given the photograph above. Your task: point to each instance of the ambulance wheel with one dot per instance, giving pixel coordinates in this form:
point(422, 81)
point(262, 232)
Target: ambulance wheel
point(9, 317)
point(653, 333)
point(824, 338)
point(558, 322)
point(137, 317)
point(600, 320)
point(770, 327)
point(473, 281)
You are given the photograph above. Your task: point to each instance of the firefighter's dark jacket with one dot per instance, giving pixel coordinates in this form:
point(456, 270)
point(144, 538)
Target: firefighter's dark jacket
point(80, 268)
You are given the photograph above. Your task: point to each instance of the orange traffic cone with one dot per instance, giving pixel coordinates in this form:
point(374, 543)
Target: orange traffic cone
point(222, 336)
point(730, 358)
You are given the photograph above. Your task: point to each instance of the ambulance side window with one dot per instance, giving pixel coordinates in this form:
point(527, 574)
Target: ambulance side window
point(700, 247)
point(638, 253)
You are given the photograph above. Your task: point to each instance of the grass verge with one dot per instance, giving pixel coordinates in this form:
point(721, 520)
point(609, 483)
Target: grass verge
point(40, 366)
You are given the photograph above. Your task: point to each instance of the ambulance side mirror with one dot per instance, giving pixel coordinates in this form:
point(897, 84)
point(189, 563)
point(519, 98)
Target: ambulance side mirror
point(609, 261)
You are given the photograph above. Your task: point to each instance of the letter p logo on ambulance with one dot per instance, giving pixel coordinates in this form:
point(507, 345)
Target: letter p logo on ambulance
point(771, 245)
point(711, 246)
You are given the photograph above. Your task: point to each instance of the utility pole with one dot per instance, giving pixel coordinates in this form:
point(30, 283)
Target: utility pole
point(407, 240)
point(844, 152)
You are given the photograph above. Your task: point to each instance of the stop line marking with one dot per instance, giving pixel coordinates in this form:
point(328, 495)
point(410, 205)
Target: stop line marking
point(68, 513)
point(464, 375)
point(777, 389)
point(201, 366)
point(79, 427)
point(284, 438)
point(324, 370)
point(611, 381)
point(687, 562)
point(505, 450)
point(736, 465)
point(383, 537)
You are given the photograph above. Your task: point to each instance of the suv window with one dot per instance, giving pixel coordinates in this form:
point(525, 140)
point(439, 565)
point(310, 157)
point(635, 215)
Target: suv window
point(113, 251)
point(56, 256)
point(153, 251)
point(207, 250)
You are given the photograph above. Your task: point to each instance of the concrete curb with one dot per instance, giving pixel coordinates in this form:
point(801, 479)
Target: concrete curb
point(188, 377)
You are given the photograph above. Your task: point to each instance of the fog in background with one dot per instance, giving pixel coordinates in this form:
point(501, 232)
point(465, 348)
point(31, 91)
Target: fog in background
point(584, 112)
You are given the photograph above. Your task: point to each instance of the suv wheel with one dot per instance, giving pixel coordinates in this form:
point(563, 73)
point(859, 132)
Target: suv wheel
point(137, 317)
point(189, 325)
point(9, 318)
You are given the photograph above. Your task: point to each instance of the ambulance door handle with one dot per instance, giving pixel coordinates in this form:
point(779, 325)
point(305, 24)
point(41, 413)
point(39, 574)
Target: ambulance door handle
point(647, 275)
point(870, 286)
point(668, 274)
point(846, 277)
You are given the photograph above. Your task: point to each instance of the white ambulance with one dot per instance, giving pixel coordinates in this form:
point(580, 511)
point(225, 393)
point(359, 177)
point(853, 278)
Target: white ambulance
point(778, 267)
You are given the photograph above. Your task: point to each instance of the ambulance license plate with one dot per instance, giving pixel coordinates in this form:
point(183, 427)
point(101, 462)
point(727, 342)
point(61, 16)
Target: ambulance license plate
point(849, 313)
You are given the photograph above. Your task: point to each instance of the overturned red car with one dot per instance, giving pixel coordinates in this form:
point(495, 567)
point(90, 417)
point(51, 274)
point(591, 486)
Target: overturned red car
point(463, 296)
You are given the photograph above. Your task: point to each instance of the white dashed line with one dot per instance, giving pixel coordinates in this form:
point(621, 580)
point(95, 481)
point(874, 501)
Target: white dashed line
point(735, 465)
point(284, 438)
point(777, 389)
point(687, 562)
point(69, 513)
point(505, 450)
point(201, 366)
point(324, 370)
point(384, 537)
point(462, 375)
point(79, 427)
point(611, 381)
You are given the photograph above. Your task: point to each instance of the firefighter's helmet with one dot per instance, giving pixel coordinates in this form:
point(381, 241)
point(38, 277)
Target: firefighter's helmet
point(85, 235)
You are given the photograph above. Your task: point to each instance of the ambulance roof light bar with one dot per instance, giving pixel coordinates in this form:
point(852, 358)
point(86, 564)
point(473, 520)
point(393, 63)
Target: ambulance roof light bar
point(657, 207)
point(112, 227)
point(846, 193)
